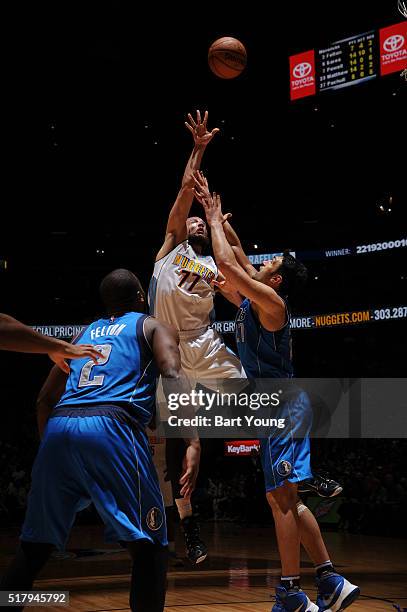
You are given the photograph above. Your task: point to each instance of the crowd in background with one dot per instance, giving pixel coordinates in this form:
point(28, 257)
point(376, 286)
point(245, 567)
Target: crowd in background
point(373, 474)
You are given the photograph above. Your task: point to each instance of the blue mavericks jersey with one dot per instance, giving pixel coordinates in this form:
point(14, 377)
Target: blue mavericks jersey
point(125, 376)
point(263, 354)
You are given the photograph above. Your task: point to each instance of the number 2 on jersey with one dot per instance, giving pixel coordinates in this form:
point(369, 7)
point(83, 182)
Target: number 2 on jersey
point(97, 381)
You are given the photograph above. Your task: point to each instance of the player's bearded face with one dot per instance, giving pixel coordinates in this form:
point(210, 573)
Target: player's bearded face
point(197, 231)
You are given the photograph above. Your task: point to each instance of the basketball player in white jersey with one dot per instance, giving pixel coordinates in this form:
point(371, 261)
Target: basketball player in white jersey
point(181, 293)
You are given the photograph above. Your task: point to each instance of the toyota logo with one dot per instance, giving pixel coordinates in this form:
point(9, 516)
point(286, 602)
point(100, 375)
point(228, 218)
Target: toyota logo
point(393, 43)
point(302, 70)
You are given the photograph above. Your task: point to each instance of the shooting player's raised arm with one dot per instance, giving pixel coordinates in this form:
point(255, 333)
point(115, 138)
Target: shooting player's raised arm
point(176, 230)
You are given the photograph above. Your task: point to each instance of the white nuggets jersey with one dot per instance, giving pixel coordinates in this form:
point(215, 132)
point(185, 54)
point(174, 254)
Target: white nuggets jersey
point(180, 292)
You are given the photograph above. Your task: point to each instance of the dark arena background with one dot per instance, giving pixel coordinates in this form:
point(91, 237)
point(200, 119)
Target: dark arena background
point(95, 147)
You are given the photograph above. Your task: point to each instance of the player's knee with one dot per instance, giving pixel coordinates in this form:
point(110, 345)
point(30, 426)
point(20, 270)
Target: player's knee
point(283, 499)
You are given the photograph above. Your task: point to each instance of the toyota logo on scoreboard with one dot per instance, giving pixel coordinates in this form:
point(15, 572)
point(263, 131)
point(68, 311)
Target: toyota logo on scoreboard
point(302, 70)
point(393, 48)
point(393, 43)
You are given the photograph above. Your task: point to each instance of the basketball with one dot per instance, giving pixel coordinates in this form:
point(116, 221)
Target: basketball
point(227, 57)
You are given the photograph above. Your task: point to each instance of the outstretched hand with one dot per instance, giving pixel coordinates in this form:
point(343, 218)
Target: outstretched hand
point(199, 129)
point(211, 203)
point(201, 188)
point(73, 351)
point(223, 284)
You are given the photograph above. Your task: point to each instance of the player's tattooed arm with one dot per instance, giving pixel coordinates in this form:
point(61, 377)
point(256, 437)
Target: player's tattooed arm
point(176, 230)
point(50, 394)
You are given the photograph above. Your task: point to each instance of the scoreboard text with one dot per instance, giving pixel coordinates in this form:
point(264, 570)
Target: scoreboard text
point(348, 61)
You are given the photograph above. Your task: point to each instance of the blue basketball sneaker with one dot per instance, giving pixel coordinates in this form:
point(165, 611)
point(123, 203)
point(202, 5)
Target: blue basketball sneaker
point(335, 593)
point(294, 600)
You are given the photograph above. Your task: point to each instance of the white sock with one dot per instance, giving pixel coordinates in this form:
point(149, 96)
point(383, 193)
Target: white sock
point(324, 564)
point(184, 507)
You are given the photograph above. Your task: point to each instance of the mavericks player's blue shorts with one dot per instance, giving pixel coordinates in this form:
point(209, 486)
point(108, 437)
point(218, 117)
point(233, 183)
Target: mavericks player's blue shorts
point(84, 459)
point(285, 455)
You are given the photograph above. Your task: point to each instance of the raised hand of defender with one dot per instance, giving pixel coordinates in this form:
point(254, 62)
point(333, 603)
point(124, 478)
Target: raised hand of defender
point(212, 203)
point(202, 193)
point(199, 129)
point(73, 351)
point(213, 209)
point(223, 284)
point(201, 188)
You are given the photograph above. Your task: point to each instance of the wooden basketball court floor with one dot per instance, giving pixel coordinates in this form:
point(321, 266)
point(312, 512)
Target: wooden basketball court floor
point(239, 575)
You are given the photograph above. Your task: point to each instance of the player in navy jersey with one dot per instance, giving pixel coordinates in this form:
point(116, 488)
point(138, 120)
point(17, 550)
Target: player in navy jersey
point(95, 449)
point(264, 345)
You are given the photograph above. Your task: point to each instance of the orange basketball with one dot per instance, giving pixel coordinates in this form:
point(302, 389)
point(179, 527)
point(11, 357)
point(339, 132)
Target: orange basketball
point(227, 57)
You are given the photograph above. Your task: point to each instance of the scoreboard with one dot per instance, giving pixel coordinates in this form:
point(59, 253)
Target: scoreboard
point(349, 61)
